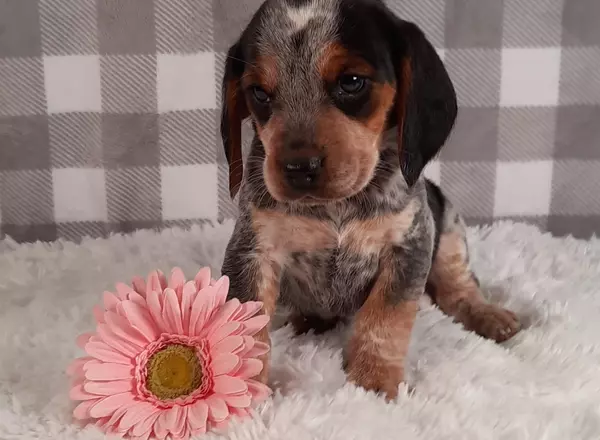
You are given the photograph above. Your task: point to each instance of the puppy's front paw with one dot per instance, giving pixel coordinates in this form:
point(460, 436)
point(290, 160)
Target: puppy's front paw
point(374, 374)
point(493, 322)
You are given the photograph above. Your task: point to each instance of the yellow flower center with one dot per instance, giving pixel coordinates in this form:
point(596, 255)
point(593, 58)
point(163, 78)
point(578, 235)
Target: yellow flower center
point(173, 372)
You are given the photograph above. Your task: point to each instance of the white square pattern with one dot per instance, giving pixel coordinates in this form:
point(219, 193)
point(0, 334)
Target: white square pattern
point(190, 192)
point(186, 82)
point(79, 195)
point(523, 188)
point(433, 171)
point(530, 77)
point(72, 83)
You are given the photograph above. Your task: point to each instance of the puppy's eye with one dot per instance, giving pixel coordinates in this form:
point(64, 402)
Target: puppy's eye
point(351, 84)
point(260, 95)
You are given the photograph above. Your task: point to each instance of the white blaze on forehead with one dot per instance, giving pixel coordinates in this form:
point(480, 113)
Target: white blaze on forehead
point(302, 15)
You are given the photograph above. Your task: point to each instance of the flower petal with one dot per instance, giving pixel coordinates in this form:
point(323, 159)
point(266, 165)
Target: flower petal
point(136, 414)
point(201, 310)
point(222, 288)
point(91, 362)
point(160, 426)
point(217, 408)
point(110, 300)
point(180, 423)
point(249, 342)
point(248, 310)
point(229, 385)
point(177, 280)
point(79, 393)
point(224, 363)
point(116, 342)
point(172, 312)
point(197, 416)
point(224, 313)
point(139, 317)
point(216, 335)
point(238, 401)
point(259, 391)
point(108, 372)
point(239, 412)
point(202, 278)
point(137, 298)
point(155, 308)
point(139, 285)
point(253, 325)
point(114, 419)
point(108, 405)
point(103, 352)
point(121, 327)
point(98, 314)
point(147, 424)
point(75, 368)
point(187, 300)
point(250, 368)
point(258, 349)
point(231, 344)
point(156, 281)
point(82, 411)
point(105, 425)
point(108, 388)
point(123, 291)
point(83, 339)
point(168, 418)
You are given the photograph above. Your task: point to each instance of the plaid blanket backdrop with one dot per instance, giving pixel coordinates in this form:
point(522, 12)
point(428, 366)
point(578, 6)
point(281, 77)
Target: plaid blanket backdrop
point(109, 110)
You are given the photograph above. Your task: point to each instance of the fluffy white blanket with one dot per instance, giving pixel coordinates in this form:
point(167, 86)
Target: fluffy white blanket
point(544, 384)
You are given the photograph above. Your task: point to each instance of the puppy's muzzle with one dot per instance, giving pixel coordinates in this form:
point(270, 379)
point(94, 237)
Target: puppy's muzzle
point(302, 174)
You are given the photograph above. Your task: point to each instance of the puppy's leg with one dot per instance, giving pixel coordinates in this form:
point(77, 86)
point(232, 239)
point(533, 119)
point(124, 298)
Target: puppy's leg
point(455, 289)
point(380, 333)
point(253, 277)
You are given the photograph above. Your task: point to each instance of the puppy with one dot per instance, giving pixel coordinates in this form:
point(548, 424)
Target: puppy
point(348, 103)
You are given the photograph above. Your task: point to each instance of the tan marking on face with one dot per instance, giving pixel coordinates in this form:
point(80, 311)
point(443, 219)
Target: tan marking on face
point(335, 60)
point(379, 341)
point(375, 234)
point(271, 136)
point(279, 234)
point(352, 146)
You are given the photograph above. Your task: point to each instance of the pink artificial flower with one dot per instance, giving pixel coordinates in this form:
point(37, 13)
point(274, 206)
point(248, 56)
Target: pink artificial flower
point(169, 359)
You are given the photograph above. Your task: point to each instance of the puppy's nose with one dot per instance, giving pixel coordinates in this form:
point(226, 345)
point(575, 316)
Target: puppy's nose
point(303, 173)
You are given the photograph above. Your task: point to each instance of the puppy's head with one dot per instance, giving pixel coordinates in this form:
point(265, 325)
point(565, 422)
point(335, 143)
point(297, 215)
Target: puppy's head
point(322, 81)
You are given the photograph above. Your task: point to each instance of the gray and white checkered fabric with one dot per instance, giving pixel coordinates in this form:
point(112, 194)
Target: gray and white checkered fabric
point(109, 109)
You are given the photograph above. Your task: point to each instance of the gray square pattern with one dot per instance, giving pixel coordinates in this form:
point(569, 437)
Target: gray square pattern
point(126, 27)
point(19, 22)
point(139, 139)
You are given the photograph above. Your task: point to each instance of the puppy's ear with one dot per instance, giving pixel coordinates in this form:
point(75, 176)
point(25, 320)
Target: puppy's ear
point(233, 112)
point(426, 106)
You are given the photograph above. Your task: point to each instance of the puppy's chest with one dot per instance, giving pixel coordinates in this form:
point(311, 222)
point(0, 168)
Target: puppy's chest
point(328, 264)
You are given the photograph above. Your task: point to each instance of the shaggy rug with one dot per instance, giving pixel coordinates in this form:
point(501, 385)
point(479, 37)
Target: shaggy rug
point(543, 384)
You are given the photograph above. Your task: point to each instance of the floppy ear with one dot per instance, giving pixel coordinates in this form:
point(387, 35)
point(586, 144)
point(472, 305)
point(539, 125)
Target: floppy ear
point(233, 112)
point(426, 104)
